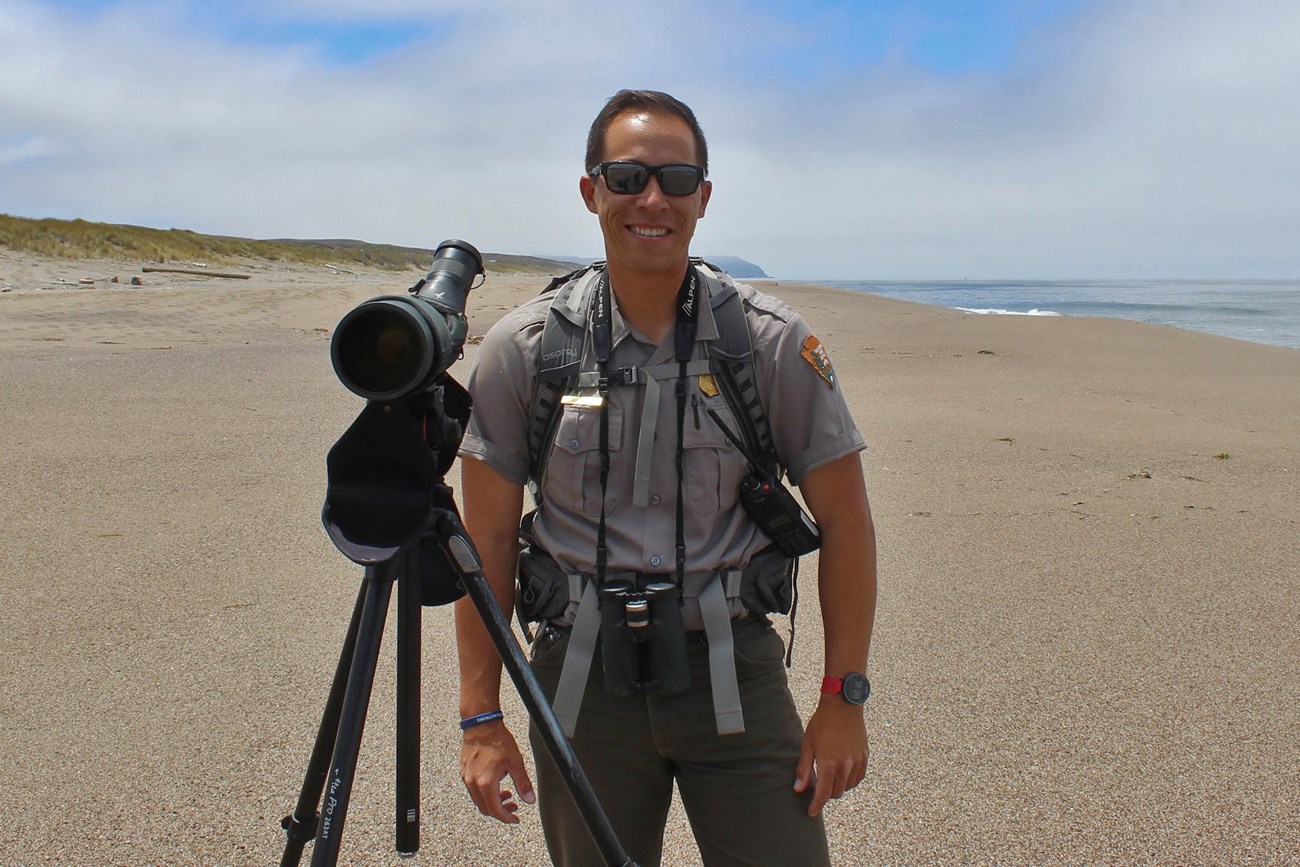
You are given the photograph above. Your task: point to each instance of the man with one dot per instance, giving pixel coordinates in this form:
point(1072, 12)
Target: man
point(664, 506)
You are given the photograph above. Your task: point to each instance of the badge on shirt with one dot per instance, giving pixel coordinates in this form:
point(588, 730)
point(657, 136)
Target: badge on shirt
point(708, 386)
point(815, 354)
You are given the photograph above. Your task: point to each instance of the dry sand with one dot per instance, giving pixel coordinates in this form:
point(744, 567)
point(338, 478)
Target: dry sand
point(1086, 648)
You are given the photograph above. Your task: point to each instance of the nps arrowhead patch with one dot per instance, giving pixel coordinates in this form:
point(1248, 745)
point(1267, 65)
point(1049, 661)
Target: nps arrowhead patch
point(815, 354)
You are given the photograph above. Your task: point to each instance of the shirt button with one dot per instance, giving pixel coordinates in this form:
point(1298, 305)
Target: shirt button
point(573, 444)
point(654, 501)
point(656, 560)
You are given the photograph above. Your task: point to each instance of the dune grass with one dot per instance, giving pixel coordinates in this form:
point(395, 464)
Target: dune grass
point(81, 239)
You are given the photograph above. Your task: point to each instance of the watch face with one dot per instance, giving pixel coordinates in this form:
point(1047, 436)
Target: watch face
point(857, 689)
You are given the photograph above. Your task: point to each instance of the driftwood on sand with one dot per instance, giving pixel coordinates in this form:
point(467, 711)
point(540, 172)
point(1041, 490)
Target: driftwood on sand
point(228, 275)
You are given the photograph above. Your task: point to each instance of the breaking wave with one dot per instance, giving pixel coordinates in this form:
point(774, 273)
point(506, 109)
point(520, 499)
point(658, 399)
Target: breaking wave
point(1000, 312)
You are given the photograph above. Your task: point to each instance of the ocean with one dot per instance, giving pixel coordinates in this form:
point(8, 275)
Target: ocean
point(1261, 311)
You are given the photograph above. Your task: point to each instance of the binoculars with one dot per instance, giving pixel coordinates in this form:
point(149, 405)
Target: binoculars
point(643, 641)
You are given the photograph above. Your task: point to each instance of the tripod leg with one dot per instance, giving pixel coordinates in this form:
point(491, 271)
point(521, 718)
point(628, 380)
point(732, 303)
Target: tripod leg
point(343, 765)
point(408, 703)
point(301, 825)
point(461, 553)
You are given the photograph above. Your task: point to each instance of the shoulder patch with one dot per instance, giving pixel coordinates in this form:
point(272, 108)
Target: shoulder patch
point(815, 354)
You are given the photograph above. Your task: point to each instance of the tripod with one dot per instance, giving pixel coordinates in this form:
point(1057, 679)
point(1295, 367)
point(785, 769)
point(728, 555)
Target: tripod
point(436, 564)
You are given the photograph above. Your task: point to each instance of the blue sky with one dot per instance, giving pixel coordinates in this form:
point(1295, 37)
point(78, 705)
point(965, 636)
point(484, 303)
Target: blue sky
point(990, 138)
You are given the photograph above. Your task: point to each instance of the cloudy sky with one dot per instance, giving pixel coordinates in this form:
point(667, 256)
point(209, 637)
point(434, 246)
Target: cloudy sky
point(848, 138)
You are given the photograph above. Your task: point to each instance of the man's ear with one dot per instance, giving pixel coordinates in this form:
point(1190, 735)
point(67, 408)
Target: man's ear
point(706, 190)
point(587, 186)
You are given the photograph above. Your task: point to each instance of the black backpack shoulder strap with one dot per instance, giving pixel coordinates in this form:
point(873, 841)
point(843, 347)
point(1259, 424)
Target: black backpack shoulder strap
point(558, 361)
point(731, 357)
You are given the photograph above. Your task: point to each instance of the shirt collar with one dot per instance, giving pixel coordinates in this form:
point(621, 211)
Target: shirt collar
point(706, 329)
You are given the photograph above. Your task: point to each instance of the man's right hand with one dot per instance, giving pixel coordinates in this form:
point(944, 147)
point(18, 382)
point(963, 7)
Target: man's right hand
point(488, 753)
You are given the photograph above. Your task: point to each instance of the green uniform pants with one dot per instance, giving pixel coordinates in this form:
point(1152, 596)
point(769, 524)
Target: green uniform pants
point(736, 789)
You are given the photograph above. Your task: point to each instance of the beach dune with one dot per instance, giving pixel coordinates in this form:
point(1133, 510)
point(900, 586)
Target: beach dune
point(1086, 645)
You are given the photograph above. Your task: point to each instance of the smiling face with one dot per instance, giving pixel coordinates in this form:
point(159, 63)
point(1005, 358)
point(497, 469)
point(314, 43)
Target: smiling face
point(647, 233)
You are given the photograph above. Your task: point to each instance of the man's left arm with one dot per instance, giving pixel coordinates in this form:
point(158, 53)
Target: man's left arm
point(835, 744)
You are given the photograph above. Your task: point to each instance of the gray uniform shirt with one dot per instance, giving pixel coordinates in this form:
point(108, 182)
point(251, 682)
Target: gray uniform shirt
point(810, 421)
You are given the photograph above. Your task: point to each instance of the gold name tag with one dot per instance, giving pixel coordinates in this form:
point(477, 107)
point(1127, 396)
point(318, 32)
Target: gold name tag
point(585, 400)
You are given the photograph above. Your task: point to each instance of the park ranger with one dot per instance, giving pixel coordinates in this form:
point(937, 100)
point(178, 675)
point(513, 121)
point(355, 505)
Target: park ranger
point(651, 562)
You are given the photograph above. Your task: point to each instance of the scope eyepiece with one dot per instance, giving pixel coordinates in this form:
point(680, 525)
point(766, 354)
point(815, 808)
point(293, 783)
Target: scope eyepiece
point(455, 265)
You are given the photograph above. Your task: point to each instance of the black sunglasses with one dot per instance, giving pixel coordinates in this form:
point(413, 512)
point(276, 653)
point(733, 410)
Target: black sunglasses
point(629, 178)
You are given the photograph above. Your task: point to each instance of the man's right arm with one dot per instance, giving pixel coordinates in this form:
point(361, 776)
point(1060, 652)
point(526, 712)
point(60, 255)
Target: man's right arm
point(492, 507)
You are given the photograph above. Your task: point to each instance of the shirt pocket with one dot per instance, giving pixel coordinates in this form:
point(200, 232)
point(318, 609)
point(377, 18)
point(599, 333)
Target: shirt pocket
point(573, 471)
point(712, 466)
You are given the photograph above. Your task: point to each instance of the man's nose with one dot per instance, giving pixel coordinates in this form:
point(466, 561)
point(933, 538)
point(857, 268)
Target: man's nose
point(652, 198)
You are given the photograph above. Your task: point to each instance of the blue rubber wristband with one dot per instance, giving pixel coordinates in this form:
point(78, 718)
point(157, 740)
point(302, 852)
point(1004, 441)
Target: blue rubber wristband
point(479, 719)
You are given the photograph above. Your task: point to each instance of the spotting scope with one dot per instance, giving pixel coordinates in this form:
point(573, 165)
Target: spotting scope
point(393, 346)
point(389, 508)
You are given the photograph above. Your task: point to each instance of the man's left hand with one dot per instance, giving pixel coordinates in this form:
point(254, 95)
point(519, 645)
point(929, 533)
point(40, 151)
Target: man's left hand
point(834, 753)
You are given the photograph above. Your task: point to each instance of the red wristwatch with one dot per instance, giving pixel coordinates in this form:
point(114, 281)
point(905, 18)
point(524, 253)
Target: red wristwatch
point(854, 687)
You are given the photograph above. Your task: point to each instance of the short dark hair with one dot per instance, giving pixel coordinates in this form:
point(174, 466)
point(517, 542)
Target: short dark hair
point(653, 102)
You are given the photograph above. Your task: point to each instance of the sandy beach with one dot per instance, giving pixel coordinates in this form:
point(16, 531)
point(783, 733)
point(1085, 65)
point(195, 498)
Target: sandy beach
point(1086, 647)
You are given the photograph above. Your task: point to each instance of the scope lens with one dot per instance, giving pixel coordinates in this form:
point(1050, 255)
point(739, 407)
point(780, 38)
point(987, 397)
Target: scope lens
point(385, 350)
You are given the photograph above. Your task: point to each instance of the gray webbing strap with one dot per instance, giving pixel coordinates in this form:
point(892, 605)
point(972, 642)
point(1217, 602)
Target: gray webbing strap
point(649, 418)
point(577, 661)
point(694, 583)
point(645, 440)
point(722, 660)
point(576, 300)
point(732, 579)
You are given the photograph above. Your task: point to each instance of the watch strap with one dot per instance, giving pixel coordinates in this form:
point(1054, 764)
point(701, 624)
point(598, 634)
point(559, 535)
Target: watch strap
point(853, 687)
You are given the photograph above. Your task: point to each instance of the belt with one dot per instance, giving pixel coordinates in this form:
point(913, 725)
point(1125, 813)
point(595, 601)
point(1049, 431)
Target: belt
point(693, 584)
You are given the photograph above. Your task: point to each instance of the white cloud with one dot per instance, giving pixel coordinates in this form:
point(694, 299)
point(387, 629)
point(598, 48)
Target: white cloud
point(1134, 139)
